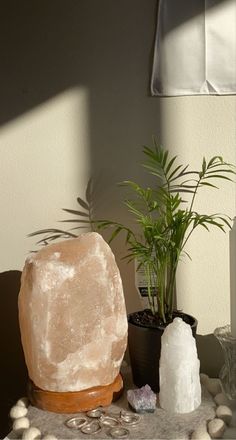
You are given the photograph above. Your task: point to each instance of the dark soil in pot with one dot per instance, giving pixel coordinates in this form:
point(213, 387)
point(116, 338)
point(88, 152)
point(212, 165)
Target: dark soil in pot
point(144, 337)
point(145, 318)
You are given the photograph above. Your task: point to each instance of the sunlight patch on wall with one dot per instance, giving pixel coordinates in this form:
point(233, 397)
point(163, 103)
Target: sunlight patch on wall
point(45, 164)
point(193, 127)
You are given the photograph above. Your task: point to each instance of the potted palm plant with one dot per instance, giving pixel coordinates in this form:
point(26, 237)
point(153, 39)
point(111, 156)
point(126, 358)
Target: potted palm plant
point(165, 219)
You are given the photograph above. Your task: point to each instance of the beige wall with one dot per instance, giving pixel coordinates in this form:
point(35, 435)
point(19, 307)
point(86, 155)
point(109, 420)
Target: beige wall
point(197, 127)
point(76, 103)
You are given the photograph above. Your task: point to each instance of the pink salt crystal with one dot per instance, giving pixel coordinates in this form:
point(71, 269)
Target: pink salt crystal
point(72, 315)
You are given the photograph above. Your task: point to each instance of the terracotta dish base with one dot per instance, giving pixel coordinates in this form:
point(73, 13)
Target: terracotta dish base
point(76, 401)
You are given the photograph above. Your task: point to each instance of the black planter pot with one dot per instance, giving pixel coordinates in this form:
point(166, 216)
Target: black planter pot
point(145, 349)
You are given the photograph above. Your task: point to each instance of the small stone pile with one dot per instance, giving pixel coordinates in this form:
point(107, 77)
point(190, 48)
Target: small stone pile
point(21, 423)
point(214, 428)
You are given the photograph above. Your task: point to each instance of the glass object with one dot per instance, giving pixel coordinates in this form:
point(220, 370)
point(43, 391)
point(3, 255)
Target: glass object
point(228, 372)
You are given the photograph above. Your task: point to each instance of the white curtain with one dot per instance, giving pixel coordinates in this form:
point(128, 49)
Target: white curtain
point(195, 48)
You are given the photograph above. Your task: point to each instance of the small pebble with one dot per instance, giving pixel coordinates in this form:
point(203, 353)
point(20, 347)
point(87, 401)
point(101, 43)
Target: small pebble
point(213, 386)
point(200, 433)
point(221, 399)
point(49, 437)
point(31, 433)
point(18, 411)
point(23, 402)
point(216, 428)
point(203, 378)
point(224, 413)
point(21, 423)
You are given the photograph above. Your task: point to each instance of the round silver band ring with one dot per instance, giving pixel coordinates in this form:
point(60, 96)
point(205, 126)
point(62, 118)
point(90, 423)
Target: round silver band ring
point(129, 418)
point(109, 421)
point(112, 413)
point(76, 422)
point(119, 432)
point(95, 413)
point(91, 428)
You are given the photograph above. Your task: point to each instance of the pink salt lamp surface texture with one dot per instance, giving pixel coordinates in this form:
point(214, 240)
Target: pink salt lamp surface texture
point(72, 315)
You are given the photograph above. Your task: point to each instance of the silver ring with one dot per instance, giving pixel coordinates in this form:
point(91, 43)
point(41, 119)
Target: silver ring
point(119, 432)
point(129, 418)
point(95, 413)
point(91, 428)
point(76, 422)
point(107, 420)
point(115, 414)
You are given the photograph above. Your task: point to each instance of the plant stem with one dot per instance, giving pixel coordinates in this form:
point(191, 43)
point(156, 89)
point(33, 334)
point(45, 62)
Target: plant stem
point(194, 194)
point(162, 293)
point(149, 287)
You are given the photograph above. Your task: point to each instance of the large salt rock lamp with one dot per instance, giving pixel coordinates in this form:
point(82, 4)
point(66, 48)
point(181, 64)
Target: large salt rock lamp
point(73, 320)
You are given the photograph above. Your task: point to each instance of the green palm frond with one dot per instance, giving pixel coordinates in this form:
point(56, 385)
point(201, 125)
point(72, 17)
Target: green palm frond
point(83, 219)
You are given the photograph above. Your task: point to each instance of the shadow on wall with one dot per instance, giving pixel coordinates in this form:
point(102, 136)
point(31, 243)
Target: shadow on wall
point(210, 354)
point(47, 47)
point(13, 370)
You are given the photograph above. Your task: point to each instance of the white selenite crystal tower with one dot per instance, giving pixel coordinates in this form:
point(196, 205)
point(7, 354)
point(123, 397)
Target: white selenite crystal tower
point(180, 389)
